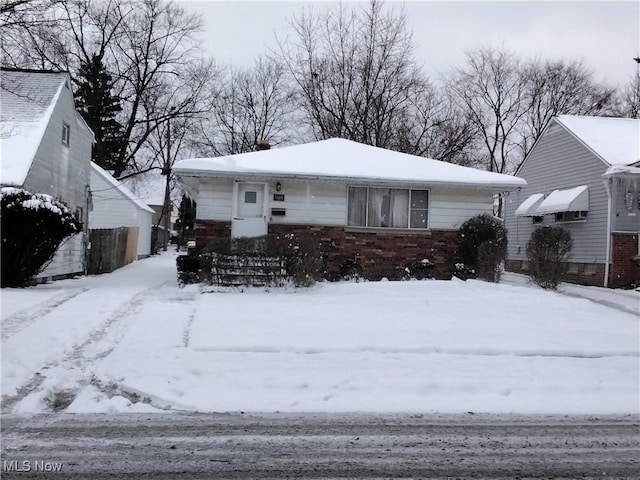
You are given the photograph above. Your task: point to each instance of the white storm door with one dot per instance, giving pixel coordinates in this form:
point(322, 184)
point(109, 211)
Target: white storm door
point(249, 210)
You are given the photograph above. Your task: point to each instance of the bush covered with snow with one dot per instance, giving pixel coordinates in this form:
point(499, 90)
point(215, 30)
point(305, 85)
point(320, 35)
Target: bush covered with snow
point(482, 247)
point(547, 253)
point(33, 227)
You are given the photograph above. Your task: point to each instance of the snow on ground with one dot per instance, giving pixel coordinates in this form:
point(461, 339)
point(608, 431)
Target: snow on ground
point(133, 341)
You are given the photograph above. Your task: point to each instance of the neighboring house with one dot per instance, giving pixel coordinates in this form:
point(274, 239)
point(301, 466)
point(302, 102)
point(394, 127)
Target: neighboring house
point(150, 189)
point(46, 148)
point(114, 205)
point(582, 176)
point(384, 208)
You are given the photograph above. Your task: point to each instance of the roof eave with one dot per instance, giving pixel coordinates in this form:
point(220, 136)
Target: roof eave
point(257, 176)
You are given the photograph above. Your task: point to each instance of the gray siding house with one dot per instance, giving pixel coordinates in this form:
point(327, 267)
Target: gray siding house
point(582, 175)
point(382, 208)
point(46, 148)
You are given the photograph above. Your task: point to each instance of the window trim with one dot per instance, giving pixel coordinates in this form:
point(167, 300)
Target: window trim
point(66, 134)
point(408, 228)
point(580, 216)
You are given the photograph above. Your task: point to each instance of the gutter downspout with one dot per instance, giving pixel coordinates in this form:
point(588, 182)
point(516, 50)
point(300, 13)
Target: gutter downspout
point(607, 186)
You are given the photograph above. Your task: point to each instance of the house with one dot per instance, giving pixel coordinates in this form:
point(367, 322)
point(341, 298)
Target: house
point(582, 175)
point(46, 148)
point(150, 189)
point(381, 208)
point(114, 206)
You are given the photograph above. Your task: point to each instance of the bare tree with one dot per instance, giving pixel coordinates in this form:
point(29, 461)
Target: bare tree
point(558, 87)
point(149, 47)
point(489, 90)
point(628, 102)
point(251, 105)
point(356, 78)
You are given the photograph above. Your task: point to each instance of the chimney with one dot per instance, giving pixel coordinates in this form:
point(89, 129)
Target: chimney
point(262, 145)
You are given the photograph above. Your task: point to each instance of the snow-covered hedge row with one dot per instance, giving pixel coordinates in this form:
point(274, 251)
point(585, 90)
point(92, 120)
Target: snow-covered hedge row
point(33, 227)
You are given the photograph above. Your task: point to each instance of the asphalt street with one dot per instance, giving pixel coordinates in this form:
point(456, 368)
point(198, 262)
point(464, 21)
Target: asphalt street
point(319, 446)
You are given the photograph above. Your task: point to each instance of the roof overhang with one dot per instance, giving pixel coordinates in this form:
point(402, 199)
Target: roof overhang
point(529, 206)
point(191, 177)
point(570, 200)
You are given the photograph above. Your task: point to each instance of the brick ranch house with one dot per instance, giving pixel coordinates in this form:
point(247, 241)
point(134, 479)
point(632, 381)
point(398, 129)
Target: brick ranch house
point(384, 208)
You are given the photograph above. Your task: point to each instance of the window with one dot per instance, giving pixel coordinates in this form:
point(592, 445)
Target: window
point(537, 219)
point(66, 134)
point(388, 208)
point(570, 216)
point(589, 269)
point(250, 197)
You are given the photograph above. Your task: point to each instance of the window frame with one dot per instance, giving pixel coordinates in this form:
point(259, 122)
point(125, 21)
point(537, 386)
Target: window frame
point(409, 191)
point(571, 216)
point(66, 134)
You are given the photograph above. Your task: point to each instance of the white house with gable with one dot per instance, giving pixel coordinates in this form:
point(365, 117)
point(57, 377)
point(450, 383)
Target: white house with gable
point(583, 175)
point(379, 207)
point(46, 148)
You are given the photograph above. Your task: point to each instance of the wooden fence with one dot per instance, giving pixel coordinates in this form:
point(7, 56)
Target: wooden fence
point(111, 248)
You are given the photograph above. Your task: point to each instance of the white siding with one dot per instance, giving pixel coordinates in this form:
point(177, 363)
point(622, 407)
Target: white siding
point(63, 172)
point(450, 208)
point(68, 259)
point(559, 161)
point(325, 203)
point(313, 203)
point(215, 199)
point(112, 209)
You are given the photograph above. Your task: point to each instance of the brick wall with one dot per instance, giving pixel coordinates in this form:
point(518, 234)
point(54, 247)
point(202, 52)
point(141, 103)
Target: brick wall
point(580, 273)
point(624, 270)
point(379, 253)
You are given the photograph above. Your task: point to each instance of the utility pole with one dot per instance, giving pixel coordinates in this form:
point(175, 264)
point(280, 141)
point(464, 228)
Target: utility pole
point(166, 209)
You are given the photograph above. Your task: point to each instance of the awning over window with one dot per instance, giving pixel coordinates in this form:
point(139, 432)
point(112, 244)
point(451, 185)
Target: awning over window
point(571, 200)
point(529, 206)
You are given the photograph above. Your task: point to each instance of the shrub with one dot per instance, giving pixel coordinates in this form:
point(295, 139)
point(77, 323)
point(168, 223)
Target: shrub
point(188, 269)
point(547, 252)
point(33, 227)
point(482, 247)
point(350, 269)
point(419, 270)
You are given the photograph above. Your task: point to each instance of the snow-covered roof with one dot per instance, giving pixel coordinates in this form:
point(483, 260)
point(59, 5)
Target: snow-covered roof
point(341, 159)
point(149, 187)
point(615, 140)
point(28, 99)
point(621, 170)
point(120, 187)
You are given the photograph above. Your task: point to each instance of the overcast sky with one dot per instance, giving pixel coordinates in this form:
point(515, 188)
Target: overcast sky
point(605, 34)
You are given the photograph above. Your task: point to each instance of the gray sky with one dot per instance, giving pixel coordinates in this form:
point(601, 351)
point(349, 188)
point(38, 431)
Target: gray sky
point(605, 34)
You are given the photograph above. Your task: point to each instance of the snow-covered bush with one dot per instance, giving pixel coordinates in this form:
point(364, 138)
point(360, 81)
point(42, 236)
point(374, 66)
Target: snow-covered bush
point(419, 270)
point(33, 227)
point(482, 247)
point(547, 253)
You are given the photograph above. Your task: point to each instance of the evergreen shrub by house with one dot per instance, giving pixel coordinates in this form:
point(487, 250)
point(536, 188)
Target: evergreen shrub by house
point(547, 253)
point(33, 227)
point(482, 247)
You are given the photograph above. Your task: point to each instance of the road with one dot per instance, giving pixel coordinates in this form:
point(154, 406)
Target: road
point(278, 445)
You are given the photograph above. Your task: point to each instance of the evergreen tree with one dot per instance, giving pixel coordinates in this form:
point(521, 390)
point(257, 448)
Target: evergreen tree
point(99, 109)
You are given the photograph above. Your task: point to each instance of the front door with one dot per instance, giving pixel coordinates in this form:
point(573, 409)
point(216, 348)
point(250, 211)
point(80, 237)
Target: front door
point(249, 210)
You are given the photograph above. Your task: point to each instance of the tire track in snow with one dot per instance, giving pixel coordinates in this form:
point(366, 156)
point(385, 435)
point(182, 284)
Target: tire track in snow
point(22, 319)
point(76, 360)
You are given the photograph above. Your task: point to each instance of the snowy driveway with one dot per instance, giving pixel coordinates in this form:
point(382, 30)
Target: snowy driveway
point(133, 341)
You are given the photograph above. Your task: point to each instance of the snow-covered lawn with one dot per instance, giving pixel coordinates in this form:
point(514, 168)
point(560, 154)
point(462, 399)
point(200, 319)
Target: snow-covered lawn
point(132, 340)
